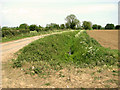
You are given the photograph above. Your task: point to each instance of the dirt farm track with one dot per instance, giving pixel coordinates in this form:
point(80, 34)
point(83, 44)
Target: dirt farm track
point(107, 38)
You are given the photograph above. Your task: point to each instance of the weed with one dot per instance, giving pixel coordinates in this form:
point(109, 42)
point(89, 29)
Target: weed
point(114, 74)
point(93, 73)
point(98, 78)
point(99, 70)
point(112, 81)
point(47, 84)
point(107, 86)
point(61, 75)
point(115, 71)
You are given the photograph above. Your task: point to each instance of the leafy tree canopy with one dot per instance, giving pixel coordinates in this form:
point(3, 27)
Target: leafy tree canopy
point(109, 26)
point(87, 25)
point(23, 26)
point(72, 21)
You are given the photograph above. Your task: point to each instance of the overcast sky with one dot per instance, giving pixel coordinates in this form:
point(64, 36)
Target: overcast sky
point(42, 12)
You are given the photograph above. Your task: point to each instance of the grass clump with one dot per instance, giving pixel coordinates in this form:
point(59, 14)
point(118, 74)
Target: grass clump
point(57, 51)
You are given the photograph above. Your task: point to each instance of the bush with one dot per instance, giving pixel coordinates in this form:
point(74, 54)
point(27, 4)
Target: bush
point(23, 26)
point(109, 26)
point(14, 32)
point(117, 27)
point(24, 31)
point(87, 25)
point(99, 27)
point(6, 28)
point(33, 27)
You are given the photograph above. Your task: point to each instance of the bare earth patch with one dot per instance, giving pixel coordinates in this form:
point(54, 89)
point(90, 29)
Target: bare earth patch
point(107, 38)
point(97, 77)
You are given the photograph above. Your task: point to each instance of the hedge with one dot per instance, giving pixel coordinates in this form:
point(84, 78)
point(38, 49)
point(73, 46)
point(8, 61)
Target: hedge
point(13, 32)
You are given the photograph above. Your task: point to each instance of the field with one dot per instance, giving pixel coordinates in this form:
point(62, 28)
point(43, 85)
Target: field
point(68, 60)
point(107, 38)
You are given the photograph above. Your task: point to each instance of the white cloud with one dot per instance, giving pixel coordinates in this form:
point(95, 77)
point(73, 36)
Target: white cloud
point(20, 13)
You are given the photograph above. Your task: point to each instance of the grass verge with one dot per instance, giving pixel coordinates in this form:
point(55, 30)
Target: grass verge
point(32, 33)
point(53, 53)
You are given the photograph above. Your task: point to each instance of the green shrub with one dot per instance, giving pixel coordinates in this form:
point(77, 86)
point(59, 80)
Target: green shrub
point(6, 33)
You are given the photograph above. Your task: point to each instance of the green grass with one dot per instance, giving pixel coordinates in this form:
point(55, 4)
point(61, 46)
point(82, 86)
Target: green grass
point(32, 33)
point(57, 51)
point(47, 84)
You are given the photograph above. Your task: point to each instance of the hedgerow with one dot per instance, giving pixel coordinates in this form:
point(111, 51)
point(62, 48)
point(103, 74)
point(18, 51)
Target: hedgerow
point(6, 33)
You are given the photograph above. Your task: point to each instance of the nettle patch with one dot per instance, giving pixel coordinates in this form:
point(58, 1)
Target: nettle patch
point(55, 52)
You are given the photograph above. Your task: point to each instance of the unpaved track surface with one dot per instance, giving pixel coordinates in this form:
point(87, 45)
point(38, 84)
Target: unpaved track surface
point(107, 38)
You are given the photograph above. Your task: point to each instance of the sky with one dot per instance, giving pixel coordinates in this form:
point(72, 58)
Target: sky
point(42, 12)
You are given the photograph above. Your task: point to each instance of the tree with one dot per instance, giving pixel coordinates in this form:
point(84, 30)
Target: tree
point(67, 26)
point(62, 26)
point(72, 21)
point(33, 27)
point(95, 26)
point(99, 26)
point(52, 26)
point(87, 25)
point(109, 26)
point(39, 28)
point(23, 26)
point(117, 27)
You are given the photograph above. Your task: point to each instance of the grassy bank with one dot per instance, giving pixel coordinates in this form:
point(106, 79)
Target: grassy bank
point(55, 52)
point(25, 35)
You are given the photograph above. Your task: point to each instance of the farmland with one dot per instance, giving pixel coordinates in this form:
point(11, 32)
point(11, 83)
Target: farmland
point(60, 44)
point(66, 60)
point(107, 38)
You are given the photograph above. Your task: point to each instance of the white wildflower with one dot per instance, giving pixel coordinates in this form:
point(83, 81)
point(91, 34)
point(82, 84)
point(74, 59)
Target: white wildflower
point(90, 47)
point(67, 86)
point(33, 67)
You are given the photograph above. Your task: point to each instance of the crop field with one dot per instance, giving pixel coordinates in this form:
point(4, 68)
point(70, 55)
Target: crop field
point(107, 38)
point(67, 60)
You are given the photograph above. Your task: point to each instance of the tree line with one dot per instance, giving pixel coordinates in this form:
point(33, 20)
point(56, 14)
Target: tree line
point(71, 23)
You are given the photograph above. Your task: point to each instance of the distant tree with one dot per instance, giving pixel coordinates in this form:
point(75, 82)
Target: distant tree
point(109, 26)
point(23, 26)
point(39, 28)
point(72, 21)
point(117, 27)
point(17, 28)
point(87, 25)
point(99, 26)
point(95, 26)
point(62, 26)
point(67, 26)
point(52, 26)
point(78, 28)
point(33, 27)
